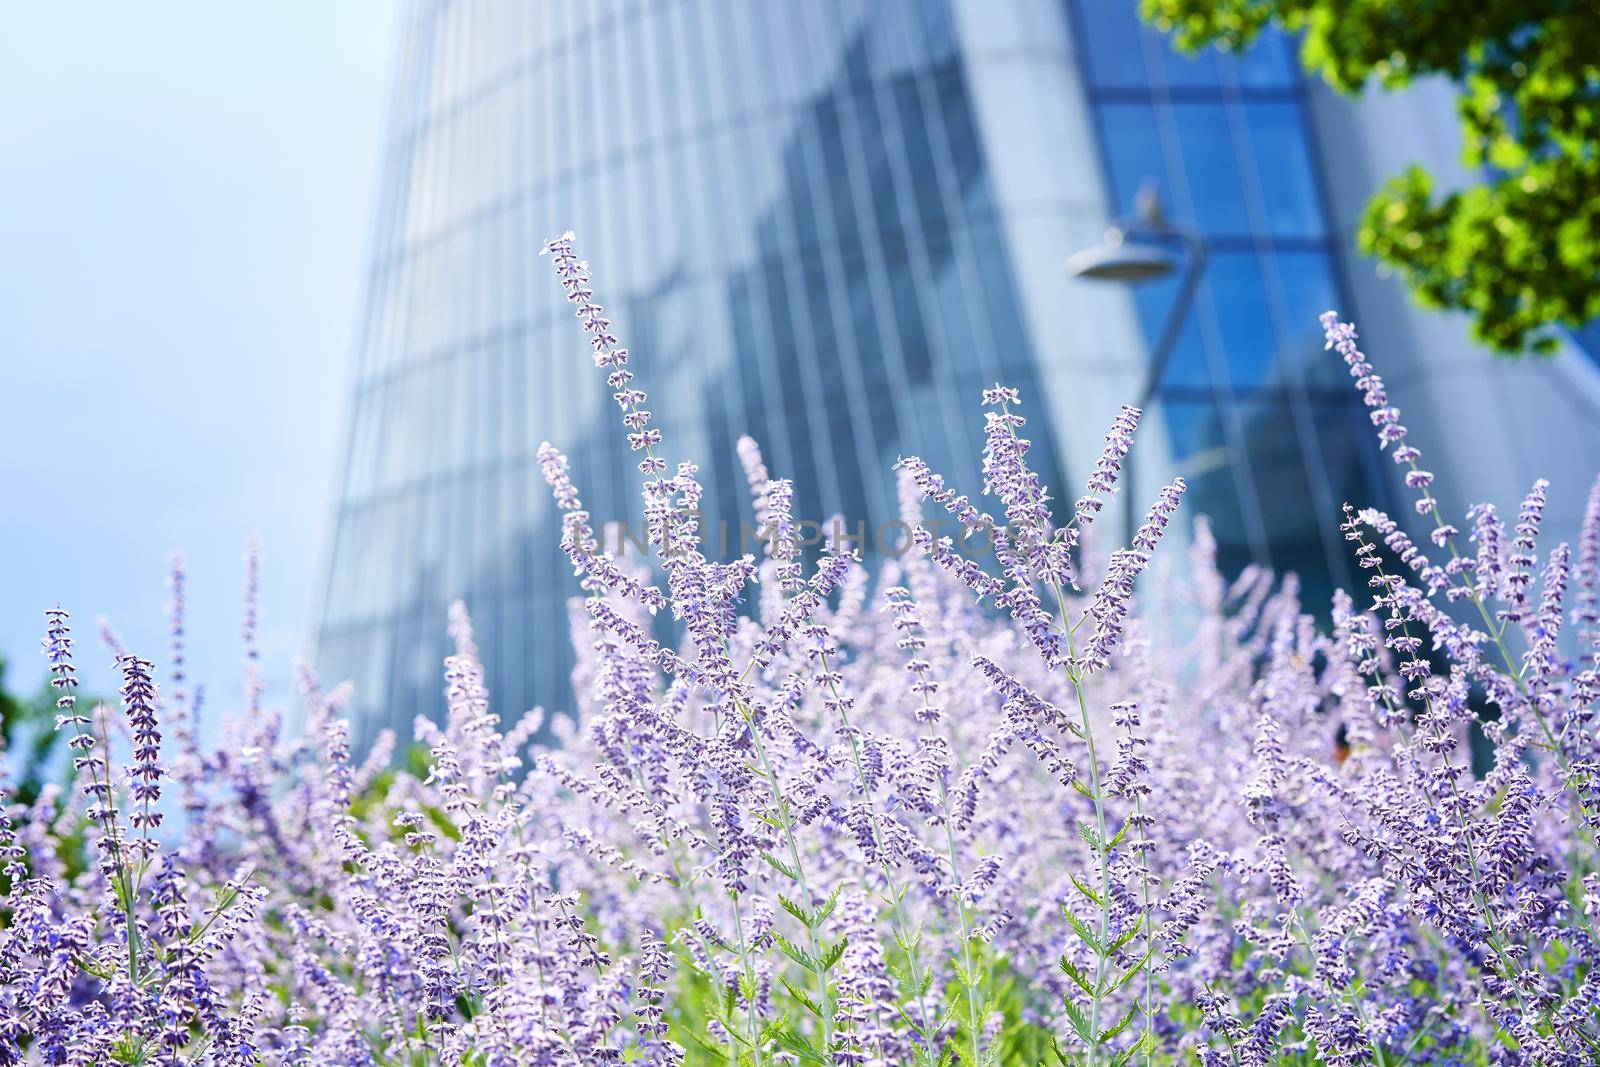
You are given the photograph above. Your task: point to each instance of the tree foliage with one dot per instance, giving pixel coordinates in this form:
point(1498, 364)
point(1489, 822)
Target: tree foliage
point(1520, 250)
point(26, 729)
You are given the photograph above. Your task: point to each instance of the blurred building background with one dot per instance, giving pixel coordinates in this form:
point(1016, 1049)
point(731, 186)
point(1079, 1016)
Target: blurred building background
point(828, 225)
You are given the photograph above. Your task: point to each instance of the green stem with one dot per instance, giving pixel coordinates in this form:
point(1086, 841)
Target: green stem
point(1102, 957)
point(898, 921)
point(753, 1031)
point(124, 886)
point(1352, 993)
point(786, 823)
point(968, 967)
point(1149, 928)
point(1496, 632)
point(684, 885)
point(1497, 940)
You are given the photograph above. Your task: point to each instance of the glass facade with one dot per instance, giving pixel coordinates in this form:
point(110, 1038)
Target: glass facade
point(1264, 426)
point(809, 224)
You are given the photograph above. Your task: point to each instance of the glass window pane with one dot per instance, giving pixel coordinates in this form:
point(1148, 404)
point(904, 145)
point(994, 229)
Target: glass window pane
point(1182, 69)
point(1305, 283)
point(1188, 368)
point(1268, 63)
point(1232, 291)
point(1133, 151)
point(1278, 463)
point(1189, 152)
point(1280, 168)
point(1209, 171)
point(1110, 43)
point(1200, 444)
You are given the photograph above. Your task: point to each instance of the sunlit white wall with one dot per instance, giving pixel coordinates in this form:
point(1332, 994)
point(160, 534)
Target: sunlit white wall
point(1487, 426)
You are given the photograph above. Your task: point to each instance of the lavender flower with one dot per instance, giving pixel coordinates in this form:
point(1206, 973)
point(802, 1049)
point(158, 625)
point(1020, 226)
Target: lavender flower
point(139, 702)
point(1162, 820)
point(1103, 479)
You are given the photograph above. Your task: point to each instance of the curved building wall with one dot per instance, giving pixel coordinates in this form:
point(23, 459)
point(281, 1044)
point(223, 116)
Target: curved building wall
point(824, 224)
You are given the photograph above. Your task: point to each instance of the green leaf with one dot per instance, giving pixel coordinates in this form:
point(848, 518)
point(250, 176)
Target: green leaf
point(799, 1046)
point(1084, 932)
point(1084, 889)
point(773, 1028)
point(1111, 1032)
point(909, 943)
point(1076, 974)
point(801, 996)
point(1079, 1021)
point(1145, 1044)
point(795, 952)
point(906, 1017)
point(1128, 975)
point(781, 867)
point(715, 1049)
point(831, 955)
point(796, 910)
point(827, 908)
point(1126, 936)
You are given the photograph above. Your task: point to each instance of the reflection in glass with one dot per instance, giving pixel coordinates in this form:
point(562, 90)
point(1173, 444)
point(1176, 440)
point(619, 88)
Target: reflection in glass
point(801, 221)
point(791, 217)
point(1265, 429)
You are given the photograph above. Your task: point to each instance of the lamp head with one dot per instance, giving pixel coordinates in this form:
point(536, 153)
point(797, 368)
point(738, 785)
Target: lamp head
point(1117, 261)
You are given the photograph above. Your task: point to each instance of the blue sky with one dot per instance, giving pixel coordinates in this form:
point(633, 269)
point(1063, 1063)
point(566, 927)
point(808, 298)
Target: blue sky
point(184, 208)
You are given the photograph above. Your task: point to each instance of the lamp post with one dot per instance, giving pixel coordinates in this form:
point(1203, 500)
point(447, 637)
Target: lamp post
point(1140, 248)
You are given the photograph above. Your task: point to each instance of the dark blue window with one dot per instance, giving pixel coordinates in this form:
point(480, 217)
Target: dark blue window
point(1258, 419)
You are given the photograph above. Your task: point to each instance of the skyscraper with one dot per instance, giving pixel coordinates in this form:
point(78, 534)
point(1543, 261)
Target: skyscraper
point(826, 225)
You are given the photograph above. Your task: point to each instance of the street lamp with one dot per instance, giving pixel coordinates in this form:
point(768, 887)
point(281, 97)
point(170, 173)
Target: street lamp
point(1140, 248)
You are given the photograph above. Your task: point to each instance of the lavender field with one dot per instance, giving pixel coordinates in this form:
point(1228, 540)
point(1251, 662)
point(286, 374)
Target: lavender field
point(1016, 797)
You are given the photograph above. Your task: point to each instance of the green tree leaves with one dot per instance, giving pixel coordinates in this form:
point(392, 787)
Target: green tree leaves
point(1521, 251)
